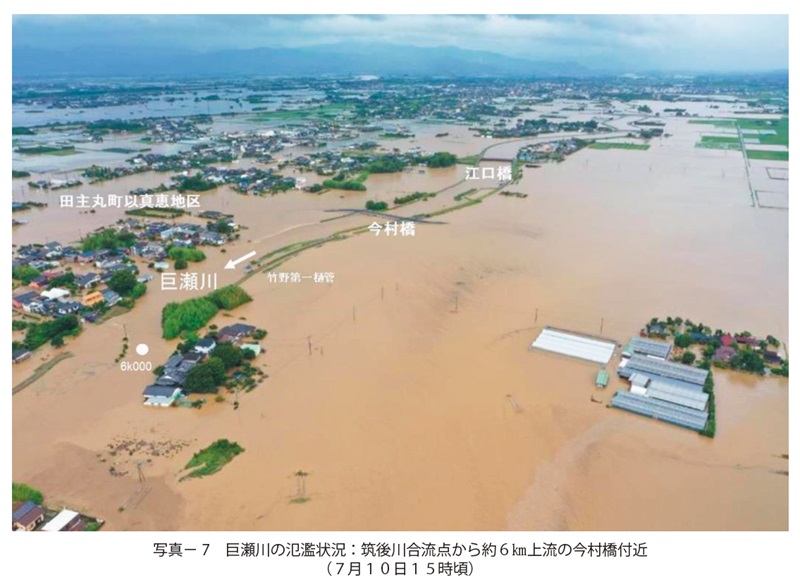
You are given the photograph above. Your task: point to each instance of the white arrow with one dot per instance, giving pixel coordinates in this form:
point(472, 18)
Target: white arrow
point(232, 264)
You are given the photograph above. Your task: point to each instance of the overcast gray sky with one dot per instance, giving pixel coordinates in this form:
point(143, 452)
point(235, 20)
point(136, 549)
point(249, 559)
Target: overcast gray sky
point(692, 42)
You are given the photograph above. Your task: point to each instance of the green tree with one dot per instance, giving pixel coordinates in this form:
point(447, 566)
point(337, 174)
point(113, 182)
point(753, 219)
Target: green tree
point(683, 341)
point(230, 355)
point(109, 238)
point(181, 264)
point(749, 361)
point(39, 334)
point(25, 273)
point(223, 226)
point(189, 315)
point(57, 341)
point(217, 367)
point(186, 253)
point(200, 379)
point(376, 206)
point(65, 280)
point(122, 281)
point(688, 358)
point(229, 297)
point(23, 492)
point(441, 160)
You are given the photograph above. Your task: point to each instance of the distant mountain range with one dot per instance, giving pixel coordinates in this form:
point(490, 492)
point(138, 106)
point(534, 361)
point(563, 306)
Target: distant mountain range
point(335, 59)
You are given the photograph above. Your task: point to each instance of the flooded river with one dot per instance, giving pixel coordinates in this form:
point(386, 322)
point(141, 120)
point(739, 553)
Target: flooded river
point(392, 386)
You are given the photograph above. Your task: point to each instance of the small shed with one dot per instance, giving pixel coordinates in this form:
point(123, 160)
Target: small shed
point(602, 378)
point(639, 383)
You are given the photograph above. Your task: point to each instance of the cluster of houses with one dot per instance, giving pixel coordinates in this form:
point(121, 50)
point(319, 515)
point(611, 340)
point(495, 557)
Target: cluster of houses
point(44, 298)
point(156, 235)
point(223, 148)
point(30, 516)
point(54, 184)
point(728, 343)
point(727, 350)
point(169, 385)
point(93, 269)
point(555, 150)
point(248, 180)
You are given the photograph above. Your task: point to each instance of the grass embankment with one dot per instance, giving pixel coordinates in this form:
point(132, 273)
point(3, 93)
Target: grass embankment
point(41, 371)
point(605, 145)
point(463, 195)
point(279, 256)
point(472, 160)
point(212, 459)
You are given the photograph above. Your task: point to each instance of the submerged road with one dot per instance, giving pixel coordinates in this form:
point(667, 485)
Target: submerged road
point(384, 214)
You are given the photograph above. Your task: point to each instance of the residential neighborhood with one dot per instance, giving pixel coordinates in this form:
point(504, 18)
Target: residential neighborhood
point(54, 281)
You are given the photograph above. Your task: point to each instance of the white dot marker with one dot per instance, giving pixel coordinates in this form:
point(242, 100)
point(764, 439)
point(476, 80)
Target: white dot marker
point(142, 349)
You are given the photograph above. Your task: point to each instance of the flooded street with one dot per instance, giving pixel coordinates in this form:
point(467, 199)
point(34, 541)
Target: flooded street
point(392, 386)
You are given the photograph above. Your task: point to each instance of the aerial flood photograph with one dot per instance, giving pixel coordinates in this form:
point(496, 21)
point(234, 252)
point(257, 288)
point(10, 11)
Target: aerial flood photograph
point(400, 273)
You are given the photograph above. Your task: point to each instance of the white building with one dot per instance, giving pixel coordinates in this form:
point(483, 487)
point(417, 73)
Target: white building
point(56, 293)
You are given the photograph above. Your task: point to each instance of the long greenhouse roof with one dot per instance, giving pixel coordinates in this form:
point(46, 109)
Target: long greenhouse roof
point(651, 366)
point(660, 410)
point(575, 345)
point(651, 347)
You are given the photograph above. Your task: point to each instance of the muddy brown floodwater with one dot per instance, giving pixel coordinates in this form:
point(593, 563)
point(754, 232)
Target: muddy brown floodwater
point(402, 413)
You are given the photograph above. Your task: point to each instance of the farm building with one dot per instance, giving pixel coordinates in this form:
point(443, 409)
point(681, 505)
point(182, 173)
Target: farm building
point(67, 520)
point(647, 347)
point(574, 345)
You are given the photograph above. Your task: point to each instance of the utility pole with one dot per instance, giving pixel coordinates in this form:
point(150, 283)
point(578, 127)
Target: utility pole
point(381, 292)
point(602, 321)
point(309, 345)
point(456, 303)
point(536, 317)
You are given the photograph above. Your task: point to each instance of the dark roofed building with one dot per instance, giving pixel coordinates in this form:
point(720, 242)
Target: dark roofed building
point(171, 377)
point(174, 361)
point(27, 516)
point(235, 332)
point(724, 353)
point(193, 357)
